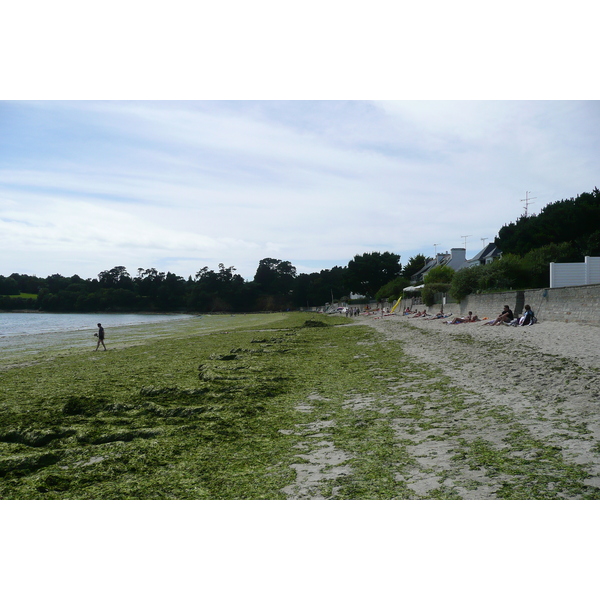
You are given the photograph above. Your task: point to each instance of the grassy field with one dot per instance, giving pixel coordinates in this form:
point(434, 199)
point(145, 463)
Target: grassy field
point(23, 295)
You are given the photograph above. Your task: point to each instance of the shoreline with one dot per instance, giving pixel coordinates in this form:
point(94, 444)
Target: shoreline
point(23, 348)
point(105, 312)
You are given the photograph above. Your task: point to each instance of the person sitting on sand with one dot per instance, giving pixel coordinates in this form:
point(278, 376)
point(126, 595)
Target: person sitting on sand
point(420, 314)
point(528, 318)
point(470, 318)
point(506, 316)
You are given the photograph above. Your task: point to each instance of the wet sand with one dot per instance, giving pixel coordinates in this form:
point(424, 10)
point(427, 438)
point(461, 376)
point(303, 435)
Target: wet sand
point(19, 350)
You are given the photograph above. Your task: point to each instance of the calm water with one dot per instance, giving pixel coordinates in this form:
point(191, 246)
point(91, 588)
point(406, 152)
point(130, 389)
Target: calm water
point(27, 334)
point(32, 323)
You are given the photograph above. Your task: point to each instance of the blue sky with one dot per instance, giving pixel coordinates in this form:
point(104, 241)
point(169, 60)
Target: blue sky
point(177, 185)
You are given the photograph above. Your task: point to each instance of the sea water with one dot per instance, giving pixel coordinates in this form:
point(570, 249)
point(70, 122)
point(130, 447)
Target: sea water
point(23, 334)
point(35, 323)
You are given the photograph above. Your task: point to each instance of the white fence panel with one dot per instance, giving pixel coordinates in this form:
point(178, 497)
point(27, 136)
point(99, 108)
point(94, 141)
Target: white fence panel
point(573, 274)
point(593, 269)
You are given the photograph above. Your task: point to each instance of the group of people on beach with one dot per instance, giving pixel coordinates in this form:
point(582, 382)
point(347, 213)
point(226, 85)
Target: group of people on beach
point(506, 317)
point(424, 314)
point(418, 313)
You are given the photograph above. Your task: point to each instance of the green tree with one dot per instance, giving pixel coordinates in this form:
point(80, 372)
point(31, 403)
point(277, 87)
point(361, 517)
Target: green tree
point(8, 286)
point(274, 276)
point(171, 294)
point(428, 296)
point(573, 220)
point(28, 284)
point(392, 290)
point(507, 273)
point(218, 291)
point(148, 283)
point(117, 277)
point(317, 289)
point(56, 282)
point(368, 272)
point(537, 262)
point(436, 280)
point(439, 274)
point(592, 245)
point(414, 265)
point(465, 282)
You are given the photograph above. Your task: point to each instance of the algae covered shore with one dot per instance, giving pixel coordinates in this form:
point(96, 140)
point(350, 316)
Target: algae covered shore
point(195, 409)
point(278, 406)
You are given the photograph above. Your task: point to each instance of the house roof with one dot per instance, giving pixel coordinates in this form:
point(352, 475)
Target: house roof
point(457, 260)
point(490, 251)
point(440, 260)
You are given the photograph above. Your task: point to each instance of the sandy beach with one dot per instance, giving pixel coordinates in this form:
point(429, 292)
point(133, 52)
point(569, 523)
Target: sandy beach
point(573, 341)
point(546, 377)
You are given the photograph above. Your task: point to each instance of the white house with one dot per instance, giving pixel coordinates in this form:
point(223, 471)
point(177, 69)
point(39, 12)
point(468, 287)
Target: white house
point(456, 260)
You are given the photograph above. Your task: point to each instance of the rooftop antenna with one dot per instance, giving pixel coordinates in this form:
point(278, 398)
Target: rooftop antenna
point(435, 248)
point(527, 201)
point(465, 239)
point(483, 240)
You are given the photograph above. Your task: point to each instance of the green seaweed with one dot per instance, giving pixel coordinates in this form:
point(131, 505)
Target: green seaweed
point(225, 412)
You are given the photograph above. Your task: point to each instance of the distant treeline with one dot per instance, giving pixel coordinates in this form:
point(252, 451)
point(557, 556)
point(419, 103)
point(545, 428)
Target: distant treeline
point(563, 231)
point(276, 286)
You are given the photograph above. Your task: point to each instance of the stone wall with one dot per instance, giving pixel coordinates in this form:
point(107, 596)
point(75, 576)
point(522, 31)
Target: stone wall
point(579, 304)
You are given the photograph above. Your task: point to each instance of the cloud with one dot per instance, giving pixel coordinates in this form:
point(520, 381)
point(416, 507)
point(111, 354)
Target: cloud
point(181, 185)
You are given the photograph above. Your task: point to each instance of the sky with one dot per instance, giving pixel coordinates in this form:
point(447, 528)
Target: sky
point(179, 185)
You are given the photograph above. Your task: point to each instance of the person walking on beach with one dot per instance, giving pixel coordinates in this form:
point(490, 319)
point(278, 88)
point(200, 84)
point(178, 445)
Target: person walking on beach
point(100, 336)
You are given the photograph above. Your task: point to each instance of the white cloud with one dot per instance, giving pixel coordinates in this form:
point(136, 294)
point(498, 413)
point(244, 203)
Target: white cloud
point(183, 185)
